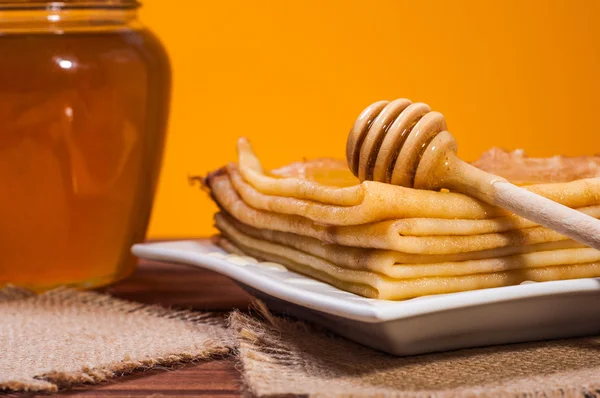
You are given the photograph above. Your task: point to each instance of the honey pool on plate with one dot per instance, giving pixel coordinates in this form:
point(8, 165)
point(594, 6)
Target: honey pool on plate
point(83, 116)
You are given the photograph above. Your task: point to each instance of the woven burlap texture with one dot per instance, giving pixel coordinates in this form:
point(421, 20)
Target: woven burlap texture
point(65, 337)
point(281, 357)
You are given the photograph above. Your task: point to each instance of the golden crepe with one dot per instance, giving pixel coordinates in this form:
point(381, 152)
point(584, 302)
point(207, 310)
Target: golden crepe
point(374, 201)
point(381, 235)
point(375, 285)
point(399, 265)
point(390, 242)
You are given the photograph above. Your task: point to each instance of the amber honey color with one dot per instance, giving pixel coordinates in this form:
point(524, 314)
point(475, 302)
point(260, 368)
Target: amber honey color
point(82, 118)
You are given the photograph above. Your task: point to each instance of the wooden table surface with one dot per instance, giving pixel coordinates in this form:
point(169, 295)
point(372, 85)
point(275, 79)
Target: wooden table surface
point(184, 287)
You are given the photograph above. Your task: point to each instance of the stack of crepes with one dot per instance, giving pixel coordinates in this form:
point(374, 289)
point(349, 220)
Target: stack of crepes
point(390, 242)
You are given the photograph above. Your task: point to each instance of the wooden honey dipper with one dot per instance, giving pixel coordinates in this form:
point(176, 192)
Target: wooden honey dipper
point(405, 143)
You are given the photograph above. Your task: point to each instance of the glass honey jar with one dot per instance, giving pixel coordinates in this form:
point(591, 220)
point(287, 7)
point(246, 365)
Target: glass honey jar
point(84, 101)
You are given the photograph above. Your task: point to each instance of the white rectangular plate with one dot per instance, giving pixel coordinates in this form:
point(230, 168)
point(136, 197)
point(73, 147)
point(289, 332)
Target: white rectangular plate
point(527, 312)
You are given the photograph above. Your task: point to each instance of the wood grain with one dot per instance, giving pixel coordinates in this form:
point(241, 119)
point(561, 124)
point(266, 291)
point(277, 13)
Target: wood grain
point(209, 378)
point(180, 286)
point(185, 287)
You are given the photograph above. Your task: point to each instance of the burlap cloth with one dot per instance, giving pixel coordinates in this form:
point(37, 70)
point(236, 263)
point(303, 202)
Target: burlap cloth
point(63, 338)
point(286, 357)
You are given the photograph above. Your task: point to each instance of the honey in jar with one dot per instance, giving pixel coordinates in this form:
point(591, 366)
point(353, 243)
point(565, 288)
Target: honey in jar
point(84, 95)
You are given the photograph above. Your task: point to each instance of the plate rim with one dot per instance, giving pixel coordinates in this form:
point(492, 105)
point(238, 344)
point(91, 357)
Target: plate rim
point(383, 311)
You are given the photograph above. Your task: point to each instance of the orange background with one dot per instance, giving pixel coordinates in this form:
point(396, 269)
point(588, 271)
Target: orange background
point(293, 75)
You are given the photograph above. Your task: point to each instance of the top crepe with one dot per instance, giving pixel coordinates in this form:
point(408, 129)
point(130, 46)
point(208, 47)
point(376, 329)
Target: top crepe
point(325, 191)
